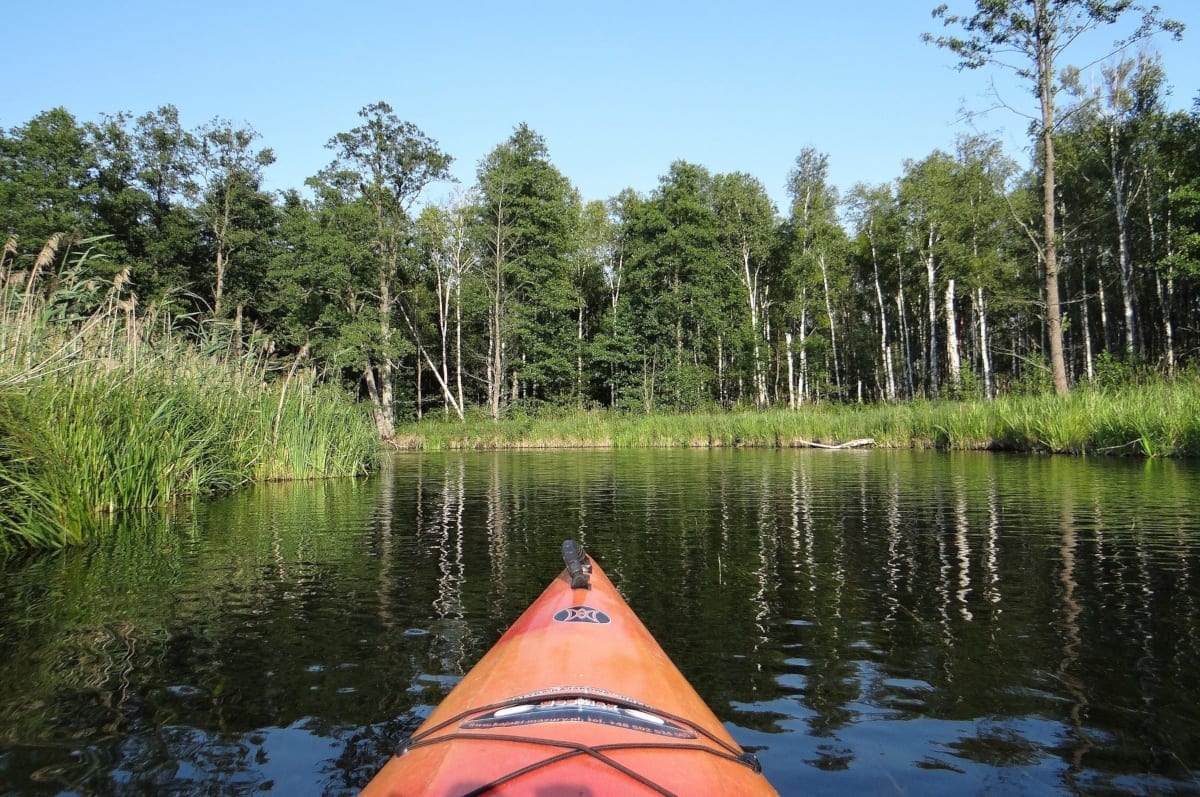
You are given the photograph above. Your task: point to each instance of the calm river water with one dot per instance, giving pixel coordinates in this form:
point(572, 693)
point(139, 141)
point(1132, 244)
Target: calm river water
point(868, 622)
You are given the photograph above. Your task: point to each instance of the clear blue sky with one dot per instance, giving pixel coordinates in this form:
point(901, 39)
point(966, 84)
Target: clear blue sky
point(619, 89)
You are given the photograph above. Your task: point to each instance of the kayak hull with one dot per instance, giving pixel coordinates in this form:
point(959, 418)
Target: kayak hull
point(576, 698)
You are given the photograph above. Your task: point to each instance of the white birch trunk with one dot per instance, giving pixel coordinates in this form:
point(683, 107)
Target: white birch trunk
point(791, 372)
point(905, 338)
point(385, 367)
point(1104, 321)
point(931, 367)
point(458, 369)
point(1089, 355)
point(889, 370)
point(953, 358)
point(803, 392)
point(985, 349)
point(837, 379)
point(1124, 256)
point(1165, 287)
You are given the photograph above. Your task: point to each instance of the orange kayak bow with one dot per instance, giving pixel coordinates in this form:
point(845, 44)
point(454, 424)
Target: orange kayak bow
point(576, 698)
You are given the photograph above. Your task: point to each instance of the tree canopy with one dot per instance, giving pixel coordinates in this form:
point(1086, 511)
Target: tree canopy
point(515, 295)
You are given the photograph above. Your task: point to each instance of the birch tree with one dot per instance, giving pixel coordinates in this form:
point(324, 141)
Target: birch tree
point(926, 194)
point(1031, 38)
point(870, 208)
point(448, 258)
point(815, 240)
point(746, 220)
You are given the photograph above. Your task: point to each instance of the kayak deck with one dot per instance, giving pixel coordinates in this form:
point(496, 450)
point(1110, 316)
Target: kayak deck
point(575, 698)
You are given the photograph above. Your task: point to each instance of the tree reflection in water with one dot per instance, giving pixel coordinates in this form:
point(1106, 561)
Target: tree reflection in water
point(868, 621)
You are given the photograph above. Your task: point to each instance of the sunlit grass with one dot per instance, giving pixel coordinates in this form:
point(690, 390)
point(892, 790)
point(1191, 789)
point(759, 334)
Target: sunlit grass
point(1160, 420)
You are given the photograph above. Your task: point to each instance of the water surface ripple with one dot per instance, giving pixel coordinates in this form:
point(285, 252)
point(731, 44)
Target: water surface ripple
point(868, 622)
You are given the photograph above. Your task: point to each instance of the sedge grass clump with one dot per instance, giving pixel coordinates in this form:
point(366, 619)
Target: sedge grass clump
point(315, 432)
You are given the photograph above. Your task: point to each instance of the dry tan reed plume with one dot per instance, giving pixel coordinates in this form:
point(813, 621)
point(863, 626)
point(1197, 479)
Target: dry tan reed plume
point(120, 280)
point(26, 310)
point(8, 256)
point(44, 258)
point(113, 300)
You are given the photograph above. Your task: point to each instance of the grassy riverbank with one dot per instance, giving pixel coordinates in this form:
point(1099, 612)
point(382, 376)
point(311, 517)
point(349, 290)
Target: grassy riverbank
point(1157, 420)
point(109, 410)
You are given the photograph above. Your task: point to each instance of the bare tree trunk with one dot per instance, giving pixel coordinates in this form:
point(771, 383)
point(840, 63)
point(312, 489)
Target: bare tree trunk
point(420, 393)
point(386, 403)
point(953, 358)
point(458, 369)
point(905, 338)
point(931, 367)
point(1120, 205)
point(515, 394)
point(1125, 263)
point(722, 395)
point(1089, 356)
point(791, 372)
point(444, 292)
point(1054, 329)
point(803, 392)
point(219, 287)
point(1105, 327)
point(496, 385)
point(885, 347)
point(837, 378)
point(579, 355)
point(384, 425)
point(649, 370)
point(1165, 287)
point(985, 354)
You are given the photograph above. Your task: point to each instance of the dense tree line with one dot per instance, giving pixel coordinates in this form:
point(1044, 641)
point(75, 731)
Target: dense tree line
point(516, 294)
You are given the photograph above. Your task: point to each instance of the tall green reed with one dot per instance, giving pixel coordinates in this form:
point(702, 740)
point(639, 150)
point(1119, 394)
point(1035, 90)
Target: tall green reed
point(104, 408)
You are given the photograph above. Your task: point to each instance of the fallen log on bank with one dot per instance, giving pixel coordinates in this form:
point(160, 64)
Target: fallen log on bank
point(859, 443)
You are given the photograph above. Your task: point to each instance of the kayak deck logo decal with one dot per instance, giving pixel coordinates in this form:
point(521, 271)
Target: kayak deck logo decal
point(581, 614)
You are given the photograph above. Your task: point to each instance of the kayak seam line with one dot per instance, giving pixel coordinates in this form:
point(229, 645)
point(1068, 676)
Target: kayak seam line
point(572, 749)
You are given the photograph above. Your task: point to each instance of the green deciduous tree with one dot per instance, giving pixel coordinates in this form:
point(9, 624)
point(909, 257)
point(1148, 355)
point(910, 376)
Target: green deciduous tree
point(525, 225)
point(321, 281)
point(224, 185)
point(143, 165)
point(47, 179)
point(594, 274)
point(383, 165)
point(672, 291)
point(615, 348)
